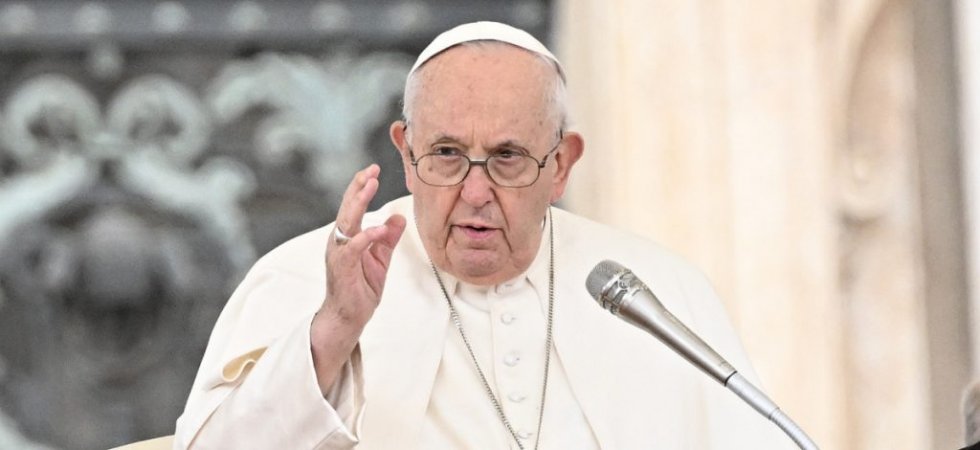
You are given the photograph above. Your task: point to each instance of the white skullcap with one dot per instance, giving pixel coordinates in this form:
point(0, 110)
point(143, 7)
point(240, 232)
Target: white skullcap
point(484, 31)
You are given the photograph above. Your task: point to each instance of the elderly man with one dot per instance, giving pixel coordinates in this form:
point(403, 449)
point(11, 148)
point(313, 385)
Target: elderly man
point(457, 317)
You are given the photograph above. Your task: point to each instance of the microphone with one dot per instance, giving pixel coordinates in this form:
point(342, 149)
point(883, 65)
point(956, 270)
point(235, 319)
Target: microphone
point(620, 291)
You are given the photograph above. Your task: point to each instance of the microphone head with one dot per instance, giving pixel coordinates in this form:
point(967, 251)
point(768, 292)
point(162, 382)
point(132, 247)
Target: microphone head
point(600, 276)
point(604, 276)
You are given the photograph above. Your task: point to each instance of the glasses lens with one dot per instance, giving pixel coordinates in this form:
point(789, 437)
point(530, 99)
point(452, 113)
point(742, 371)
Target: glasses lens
point(507, 170)
point(513, 170)
point(442, 170)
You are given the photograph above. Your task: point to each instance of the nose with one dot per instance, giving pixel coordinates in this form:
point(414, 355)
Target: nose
point(477, 187)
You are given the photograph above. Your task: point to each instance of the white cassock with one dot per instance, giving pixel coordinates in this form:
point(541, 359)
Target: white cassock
point(413, 384)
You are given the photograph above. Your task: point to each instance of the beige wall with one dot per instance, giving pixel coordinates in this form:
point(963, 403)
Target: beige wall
point(968, 27)
point(774, 144)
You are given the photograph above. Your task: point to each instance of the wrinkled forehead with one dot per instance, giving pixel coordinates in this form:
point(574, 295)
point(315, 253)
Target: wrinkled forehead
point(486, 59)
point(496, 89)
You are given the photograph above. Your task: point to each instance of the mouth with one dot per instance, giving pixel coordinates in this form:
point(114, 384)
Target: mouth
point(476, 231)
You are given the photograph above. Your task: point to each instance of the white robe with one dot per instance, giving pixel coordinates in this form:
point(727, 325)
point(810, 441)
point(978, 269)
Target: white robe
point(256, 387)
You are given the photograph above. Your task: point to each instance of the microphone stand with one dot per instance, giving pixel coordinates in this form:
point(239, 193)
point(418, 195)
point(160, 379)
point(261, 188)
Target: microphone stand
point(760, 402)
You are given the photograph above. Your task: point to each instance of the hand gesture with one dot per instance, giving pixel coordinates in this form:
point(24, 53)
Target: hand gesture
point(357, 265)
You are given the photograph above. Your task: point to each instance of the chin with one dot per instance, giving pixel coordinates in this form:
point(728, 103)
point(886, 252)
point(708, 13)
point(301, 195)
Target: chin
point(478, 267)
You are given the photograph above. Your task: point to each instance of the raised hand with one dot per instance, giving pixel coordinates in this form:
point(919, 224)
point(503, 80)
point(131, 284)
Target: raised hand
point(357, 264)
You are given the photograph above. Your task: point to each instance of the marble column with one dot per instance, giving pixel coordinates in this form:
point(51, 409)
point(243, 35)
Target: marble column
point(778, 146)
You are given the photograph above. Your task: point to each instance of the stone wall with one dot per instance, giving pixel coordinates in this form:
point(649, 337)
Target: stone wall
point(801, 153)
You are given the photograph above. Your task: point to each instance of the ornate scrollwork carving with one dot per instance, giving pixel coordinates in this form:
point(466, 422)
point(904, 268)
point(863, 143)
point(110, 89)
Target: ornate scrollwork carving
point(123, 229)
point(107, 228)
point(47, 116)
point(155, 112)
point(317, 108)
point(155, 129)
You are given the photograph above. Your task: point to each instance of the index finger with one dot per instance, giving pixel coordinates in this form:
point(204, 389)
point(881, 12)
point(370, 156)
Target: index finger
point(358, 195)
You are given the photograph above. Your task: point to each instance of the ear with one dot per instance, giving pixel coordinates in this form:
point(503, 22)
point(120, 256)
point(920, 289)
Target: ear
point(571, 149)
point(399, 138)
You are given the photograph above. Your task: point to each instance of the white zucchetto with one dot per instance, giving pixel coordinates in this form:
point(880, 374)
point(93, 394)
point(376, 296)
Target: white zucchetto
point(484, 31)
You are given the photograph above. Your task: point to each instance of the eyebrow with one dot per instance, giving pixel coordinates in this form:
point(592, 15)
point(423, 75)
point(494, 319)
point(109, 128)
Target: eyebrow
point(506, 144)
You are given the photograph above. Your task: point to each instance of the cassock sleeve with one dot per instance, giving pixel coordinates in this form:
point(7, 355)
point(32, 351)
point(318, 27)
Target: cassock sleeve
point(269, 398)
point(256, 386)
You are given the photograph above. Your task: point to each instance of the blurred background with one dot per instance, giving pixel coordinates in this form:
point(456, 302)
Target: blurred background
point(819, 159)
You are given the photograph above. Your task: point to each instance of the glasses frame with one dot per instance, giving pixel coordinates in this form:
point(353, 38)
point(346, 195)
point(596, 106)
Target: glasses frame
point(483, 163)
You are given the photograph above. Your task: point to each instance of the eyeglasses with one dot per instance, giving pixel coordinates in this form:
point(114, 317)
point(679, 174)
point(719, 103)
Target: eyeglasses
point(448, 166)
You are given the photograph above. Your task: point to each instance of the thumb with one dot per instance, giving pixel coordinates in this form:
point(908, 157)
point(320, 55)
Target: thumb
point(395, 226)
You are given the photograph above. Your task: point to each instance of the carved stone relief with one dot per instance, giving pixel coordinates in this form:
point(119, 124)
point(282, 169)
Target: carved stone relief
point(881, 273)
point(119, 231)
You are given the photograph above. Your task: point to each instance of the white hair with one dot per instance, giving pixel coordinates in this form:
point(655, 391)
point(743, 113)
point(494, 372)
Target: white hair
point(557, 96)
